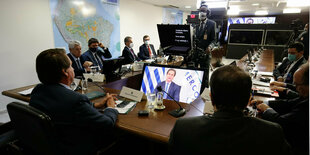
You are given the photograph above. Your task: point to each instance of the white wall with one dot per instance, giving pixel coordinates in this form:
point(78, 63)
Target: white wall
point(138, 19)
point(25, 30)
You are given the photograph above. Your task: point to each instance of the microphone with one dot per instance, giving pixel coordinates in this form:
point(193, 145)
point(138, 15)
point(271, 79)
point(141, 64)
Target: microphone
point(91, 80)
point(175, 113)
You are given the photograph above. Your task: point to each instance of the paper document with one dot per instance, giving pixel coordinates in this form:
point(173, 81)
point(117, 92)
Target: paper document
point(125, 109)
point(260, 83)
point(265, 73)
point(26, 92)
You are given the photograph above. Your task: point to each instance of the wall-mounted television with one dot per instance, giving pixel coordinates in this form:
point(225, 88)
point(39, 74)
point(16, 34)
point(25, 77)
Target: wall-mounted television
point(246, 37)
point(249, 20)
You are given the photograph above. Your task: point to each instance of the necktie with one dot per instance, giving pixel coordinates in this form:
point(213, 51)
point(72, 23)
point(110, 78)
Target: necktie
point(98, 61)
point(166, 90)
point(201, 26)
point(150, 52)
point(133, 54)
point(79, 63)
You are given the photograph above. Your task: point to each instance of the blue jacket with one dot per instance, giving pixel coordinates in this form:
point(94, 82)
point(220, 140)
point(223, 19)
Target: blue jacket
point(81, 128)
point(78, 72)
point(144, 52)
point(174, 90)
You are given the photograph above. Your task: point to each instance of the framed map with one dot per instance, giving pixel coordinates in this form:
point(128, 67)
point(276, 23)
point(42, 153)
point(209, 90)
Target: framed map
point(85, 19)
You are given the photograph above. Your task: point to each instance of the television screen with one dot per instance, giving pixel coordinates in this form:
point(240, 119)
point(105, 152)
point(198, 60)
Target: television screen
point(240, 36)
point(277, 37)
point(249, 20)
point(183, 84)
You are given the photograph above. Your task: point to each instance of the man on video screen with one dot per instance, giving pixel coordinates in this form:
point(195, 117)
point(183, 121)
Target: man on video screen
point(169, 86)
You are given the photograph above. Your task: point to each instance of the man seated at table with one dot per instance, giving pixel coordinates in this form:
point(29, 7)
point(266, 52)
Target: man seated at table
point(80, 127)
point(97, 55)
point(292, 114)
point(75, 57)
point(146, 51)
point(228, 130)
point(285, 72)
point(128, 53)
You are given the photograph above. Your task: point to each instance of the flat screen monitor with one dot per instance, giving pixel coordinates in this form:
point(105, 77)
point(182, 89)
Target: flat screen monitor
point(176, 39)
point(249, 20)
point(245, 36)
point(185, 86)
point(278, 37)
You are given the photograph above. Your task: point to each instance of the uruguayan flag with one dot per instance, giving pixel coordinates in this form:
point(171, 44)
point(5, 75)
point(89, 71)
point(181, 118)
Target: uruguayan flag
point(152, 76)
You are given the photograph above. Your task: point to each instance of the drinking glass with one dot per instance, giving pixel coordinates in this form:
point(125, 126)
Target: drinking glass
point(151, 100)
point(73, 86)
point(84, 84)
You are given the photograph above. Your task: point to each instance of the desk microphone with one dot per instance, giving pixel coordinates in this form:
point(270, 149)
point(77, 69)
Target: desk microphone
point(91, 80)
point(175, 113)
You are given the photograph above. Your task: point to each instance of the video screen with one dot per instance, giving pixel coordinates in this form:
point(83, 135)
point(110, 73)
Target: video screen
point(249, 20)
point(240, 36)
point(184, 85)
point(277, 37)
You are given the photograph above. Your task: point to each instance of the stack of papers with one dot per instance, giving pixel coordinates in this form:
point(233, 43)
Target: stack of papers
point(26, 92)
point(125, 109)
point(260, 83)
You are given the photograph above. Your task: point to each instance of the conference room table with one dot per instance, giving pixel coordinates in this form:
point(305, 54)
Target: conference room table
point(158, 124)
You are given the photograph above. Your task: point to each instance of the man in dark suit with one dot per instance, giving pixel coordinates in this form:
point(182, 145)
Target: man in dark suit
point(169, 86)
point(97, 55)
point(146, 51)
point(228, 130)
point(75, 57)
point(80, 127)
point(128, 53)
point(285, 72)
point(292, 114)
point(205, 34)
point(304, 38)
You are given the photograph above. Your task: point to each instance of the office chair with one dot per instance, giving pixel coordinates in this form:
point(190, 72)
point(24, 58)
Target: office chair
point(34, 129)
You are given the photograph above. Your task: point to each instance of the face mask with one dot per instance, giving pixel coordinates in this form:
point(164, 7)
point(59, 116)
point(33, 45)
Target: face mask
point(93, 49)
point(202, 15)
point(131, 45)
point(147, 42)
point(291, 57)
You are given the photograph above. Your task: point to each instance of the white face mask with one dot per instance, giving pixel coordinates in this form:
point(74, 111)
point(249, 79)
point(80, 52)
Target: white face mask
point(131, 45)
point(202, 15)
point(146, 42)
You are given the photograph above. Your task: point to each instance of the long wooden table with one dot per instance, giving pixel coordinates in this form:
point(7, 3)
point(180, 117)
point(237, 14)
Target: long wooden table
point(158, 124)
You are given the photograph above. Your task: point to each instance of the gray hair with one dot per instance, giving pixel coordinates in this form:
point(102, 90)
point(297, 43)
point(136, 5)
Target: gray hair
point(73, 43)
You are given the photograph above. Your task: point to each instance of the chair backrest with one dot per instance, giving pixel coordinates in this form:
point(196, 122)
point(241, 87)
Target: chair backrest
point(34, 129)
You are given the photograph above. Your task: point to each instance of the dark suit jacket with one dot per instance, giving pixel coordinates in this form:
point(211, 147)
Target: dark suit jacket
point(128, 58)
point(293, 116)
point(226, 133)
point(280, 71)
point(209, 29)
point(174, 90)
point(144, 52)
point(304, 38)
point(81, 128)
point(78, 72)
point(88, 56)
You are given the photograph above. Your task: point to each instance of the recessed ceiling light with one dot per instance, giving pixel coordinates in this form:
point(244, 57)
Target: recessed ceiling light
point(187, 6)
point(255, 4)
point(261, 12)
point(291, 10)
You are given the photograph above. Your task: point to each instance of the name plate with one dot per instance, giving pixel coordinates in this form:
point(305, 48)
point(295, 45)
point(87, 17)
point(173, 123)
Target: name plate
point(95, 77)
point(131, 94)
point(137, 67)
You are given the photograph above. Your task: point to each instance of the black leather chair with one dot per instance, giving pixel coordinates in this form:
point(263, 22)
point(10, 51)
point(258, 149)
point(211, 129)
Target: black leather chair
point(34, 129)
